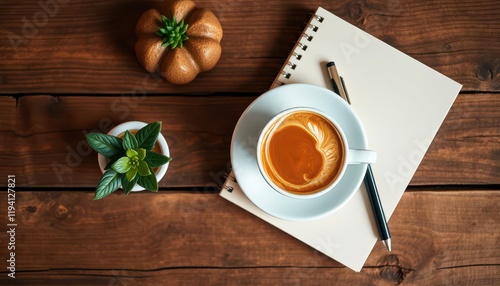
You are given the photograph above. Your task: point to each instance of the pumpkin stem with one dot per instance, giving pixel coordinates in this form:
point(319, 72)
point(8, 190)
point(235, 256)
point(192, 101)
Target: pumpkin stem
point(172, 33)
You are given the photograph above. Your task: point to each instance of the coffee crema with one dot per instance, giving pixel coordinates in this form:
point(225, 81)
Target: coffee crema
point(302, 152)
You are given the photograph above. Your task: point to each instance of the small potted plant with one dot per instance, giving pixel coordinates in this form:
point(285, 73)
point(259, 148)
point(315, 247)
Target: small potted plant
point(133, 155)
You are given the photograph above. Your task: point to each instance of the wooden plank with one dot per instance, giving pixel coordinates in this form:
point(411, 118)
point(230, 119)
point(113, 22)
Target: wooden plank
point(43, 141)
point(87, 46)
point(384, 275)
point(65, 237)
point(43, 138)
point(466, 149)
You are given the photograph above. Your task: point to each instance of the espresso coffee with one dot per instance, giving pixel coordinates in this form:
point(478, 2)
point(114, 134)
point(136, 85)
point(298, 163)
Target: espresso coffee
point(302, 152)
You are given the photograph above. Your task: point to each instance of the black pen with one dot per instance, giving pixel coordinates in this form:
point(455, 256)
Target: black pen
point(378, 211)
point(371, 188)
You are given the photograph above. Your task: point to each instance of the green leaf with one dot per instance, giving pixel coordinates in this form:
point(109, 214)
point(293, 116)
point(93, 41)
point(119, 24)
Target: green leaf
point(184, 30)
point(105, 145)
point(131, 174)
point(129, 141)
point(184, 37)
point(155, 159)
point(110, 182)
point(131, 153)
point(127, 185)
point(143, 169)
point(149, 183)
point(147, 136)
point(111, 161)
point(141, 153)
point(172, 33)
point(122, 165)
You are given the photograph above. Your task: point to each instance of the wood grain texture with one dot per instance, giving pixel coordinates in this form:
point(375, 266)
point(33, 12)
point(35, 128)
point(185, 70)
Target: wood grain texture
point(439, 238)
point(480, 275)
point(44, 138)
point(87, 46)
point(53, 152)
point(466, 149)
point(68, 67)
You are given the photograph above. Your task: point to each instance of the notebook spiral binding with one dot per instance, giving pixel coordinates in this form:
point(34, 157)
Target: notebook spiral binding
point(299, 49)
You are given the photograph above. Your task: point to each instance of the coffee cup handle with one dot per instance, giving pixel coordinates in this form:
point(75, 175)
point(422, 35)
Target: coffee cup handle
point(360, 156)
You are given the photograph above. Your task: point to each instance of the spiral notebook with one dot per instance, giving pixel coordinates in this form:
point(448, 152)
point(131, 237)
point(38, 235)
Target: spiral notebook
point(401, 103)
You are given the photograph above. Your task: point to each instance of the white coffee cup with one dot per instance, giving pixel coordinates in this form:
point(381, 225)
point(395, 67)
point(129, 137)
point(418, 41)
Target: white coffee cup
point(303, 153)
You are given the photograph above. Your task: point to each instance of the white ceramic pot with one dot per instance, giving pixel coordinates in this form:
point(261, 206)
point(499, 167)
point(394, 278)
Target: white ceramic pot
point(136, 125)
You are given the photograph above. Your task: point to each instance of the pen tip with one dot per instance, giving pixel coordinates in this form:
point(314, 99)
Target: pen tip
point(387, 244)
point(330, 64)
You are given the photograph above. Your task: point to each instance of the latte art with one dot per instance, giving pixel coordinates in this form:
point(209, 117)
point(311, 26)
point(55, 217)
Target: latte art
point(302, 152)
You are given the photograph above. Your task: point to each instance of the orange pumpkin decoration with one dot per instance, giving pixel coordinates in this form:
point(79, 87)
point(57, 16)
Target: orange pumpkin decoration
point(179, 42)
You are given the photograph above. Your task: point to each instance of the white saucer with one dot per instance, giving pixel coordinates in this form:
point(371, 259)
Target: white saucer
point(244, 158)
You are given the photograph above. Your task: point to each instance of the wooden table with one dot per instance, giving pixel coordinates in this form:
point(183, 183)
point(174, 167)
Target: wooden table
point(70, 68)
